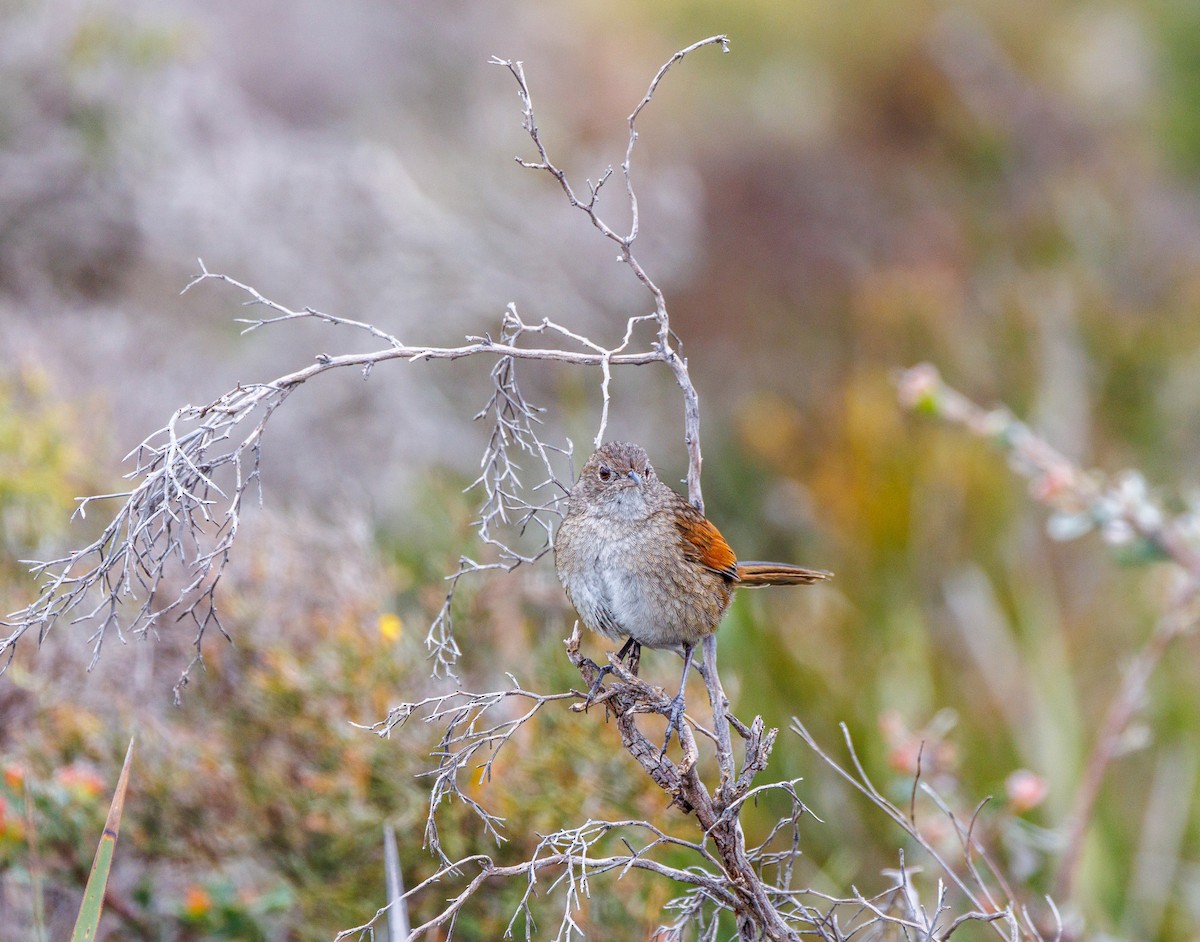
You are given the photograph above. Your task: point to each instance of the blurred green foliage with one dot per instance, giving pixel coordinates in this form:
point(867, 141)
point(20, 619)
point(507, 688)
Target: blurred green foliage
point(1177, 28)
point(42, 464)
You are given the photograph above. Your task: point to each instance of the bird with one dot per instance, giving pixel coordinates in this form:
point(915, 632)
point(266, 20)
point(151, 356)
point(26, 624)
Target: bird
point(639, 562)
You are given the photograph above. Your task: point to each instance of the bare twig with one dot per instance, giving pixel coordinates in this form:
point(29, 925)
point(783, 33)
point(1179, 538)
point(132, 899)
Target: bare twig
point(663, 347)
point(470, 742)
point(162, 555)
point(972, 884)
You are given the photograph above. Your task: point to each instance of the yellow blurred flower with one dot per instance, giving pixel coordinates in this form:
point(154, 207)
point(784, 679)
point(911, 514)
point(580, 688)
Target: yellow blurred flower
point(390, 626)
point(11, 828)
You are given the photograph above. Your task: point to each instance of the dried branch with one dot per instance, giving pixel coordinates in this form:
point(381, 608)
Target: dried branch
point(971, 882)
point(472, 741)
point(752, 884)
point(567, 854)
point(663, 346)
point(162, 555)
point(468, 742)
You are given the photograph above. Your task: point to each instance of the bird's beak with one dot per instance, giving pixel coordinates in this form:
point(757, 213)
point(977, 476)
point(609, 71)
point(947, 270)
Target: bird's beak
point(634, 477)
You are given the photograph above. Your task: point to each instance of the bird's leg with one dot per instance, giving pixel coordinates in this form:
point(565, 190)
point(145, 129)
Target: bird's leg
point(635, 655)
point(675, 713)
point(629, 646)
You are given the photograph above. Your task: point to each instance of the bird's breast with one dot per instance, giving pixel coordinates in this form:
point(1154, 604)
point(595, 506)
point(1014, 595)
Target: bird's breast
point(631, 577)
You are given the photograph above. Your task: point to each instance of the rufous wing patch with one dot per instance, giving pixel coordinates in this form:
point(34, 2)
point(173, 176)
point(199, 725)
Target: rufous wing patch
point(703, 542)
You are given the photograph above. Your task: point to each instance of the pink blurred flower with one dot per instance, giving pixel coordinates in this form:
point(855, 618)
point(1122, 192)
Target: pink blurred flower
point(1026, 790)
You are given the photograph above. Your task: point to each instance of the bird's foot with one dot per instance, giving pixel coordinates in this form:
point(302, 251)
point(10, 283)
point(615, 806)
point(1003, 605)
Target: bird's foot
point(597, 684)
point(633, 651)
point(674, 721)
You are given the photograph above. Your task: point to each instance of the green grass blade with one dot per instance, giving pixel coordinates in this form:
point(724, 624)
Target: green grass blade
point(35, 866)
point(88, 921)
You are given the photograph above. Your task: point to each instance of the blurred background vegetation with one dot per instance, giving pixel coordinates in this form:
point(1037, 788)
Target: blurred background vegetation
point(1010, 190)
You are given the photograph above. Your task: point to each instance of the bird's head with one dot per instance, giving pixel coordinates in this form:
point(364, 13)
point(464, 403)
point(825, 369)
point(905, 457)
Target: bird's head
point(616, 481)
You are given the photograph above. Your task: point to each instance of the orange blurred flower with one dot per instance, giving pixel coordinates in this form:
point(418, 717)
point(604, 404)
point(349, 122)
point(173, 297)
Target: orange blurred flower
point(196, 902)
point(14, 775)
point(81, 779)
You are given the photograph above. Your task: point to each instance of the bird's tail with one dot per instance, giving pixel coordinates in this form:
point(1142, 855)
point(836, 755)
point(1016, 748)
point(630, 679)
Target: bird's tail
point(756, 574)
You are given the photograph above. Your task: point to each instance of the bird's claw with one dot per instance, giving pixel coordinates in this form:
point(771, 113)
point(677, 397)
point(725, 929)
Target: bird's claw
point(597, 684)
point(674, 721)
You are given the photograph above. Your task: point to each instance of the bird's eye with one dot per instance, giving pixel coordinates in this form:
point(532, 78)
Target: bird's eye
point(605, 472)
point(649, 472)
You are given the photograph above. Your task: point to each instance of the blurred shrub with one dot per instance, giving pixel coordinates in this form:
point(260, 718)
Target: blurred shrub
point(256, 809)
point(43, 465)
